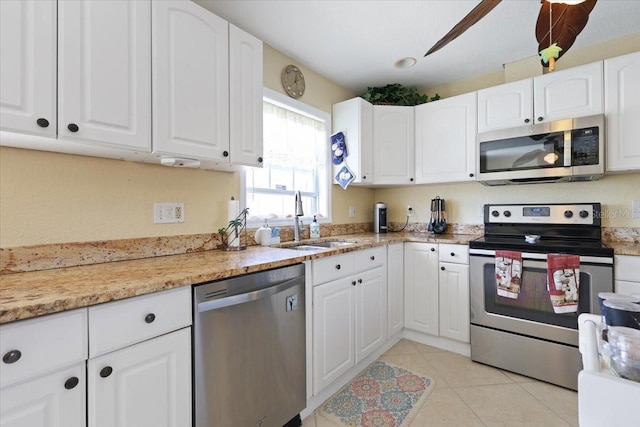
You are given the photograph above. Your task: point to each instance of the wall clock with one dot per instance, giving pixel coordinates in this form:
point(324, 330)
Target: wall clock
point(293, 81)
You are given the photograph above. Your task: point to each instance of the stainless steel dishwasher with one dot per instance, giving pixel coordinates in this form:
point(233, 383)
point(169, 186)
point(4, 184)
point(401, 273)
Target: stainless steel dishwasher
point(249, 349)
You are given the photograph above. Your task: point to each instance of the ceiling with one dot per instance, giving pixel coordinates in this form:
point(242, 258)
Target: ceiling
point(355, 43)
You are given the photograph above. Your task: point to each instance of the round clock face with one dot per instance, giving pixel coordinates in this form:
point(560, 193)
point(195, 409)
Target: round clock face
point(293, 81)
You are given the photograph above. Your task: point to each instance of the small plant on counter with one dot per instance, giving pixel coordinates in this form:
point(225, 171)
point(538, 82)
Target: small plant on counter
point(396, 94)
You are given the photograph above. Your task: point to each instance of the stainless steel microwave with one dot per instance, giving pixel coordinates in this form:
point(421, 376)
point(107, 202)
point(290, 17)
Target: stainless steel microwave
point(564, 150)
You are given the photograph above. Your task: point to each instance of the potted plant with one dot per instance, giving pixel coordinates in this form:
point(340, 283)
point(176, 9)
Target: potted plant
point(396, 94)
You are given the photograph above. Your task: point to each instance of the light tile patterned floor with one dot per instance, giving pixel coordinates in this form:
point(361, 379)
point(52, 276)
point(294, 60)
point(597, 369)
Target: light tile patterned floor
point(471, 394)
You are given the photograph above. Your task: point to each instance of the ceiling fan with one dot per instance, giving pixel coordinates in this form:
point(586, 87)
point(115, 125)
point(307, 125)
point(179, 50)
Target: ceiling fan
point(559, 23)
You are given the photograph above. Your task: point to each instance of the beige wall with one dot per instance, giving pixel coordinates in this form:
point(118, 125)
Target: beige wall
point(56, 198)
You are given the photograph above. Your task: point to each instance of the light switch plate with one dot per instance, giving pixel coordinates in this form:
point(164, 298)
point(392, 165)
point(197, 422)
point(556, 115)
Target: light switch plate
point(164, 213)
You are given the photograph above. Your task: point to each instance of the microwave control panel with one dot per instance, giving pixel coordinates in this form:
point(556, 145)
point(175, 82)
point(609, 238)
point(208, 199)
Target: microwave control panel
point(585, 146)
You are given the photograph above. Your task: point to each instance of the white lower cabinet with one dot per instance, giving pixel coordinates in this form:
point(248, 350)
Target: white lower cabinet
point(627, 278)
point(437, 289)
point(395, 287)
point(147, 384)
point(54, 400)
point(349, 313)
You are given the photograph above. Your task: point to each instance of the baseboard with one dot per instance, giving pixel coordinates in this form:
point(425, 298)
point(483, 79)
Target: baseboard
point(438, 342)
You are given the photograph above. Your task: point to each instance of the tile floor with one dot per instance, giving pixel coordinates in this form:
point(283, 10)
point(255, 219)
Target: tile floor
point(471, 394)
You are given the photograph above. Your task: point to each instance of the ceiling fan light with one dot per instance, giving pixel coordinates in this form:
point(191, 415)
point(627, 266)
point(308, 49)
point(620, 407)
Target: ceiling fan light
point(406, 62)
point(568, 2)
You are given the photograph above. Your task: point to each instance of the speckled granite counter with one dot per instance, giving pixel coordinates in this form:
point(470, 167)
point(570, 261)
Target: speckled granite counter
point(35, 293)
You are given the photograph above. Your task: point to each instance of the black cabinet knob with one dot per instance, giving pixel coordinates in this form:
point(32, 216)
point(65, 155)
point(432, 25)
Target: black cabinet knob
point(364, 177)
point(73, 127)
point(359, 280)
point(471, 175)
point(411, 179)
point(453, 254)
point(433, 249)
point(71, 383)
point(540, 118)
point(338, 267)
point(149, 318)
point(106, 371)
point(373, 258)
point(11, 356)
point(259, 159)
point(225, 153)
point(442, 268)
point(527, 120)
point(353, 283)
point(43, 123)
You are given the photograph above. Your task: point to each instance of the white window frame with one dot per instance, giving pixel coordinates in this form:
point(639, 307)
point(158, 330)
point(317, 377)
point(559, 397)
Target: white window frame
point(299, 107)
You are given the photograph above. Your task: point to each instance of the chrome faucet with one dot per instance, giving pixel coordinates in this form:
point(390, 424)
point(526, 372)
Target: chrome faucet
point(297, 227)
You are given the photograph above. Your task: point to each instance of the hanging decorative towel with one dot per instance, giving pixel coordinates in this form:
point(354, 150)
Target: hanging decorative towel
point(338, 148)
point(508, 273)
point(563, 282)
point(344, 176)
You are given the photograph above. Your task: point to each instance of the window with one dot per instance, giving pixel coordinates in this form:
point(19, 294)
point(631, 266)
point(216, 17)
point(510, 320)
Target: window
point(296, 158)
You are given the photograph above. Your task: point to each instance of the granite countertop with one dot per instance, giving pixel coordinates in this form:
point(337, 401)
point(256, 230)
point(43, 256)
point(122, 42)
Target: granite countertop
point(36, 293)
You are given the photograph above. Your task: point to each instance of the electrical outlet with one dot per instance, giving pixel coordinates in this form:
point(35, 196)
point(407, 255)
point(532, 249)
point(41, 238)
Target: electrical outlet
point(352, 211)
point(164, 213)
point(410, 210)
point(635, 209)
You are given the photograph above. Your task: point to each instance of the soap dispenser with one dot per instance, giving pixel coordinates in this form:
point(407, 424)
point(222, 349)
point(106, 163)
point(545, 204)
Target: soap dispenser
point(314, 229)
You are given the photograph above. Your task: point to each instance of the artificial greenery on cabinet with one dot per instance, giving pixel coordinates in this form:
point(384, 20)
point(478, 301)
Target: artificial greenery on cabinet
point(396, 94)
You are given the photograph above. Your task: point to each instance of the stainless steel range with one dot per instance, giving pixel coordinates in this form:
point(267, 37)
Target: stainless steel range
point(536, 269)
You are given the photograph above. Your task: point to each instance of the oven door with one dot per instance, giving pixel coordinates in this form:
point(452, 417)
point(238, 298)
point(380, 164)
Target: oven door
point(532, 314)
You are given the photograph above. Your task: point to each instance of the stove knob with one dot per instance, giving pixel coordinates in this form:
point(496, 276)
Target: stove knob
point(584, 214)
point(507, 213)
point(568, 214)
point(495, 213)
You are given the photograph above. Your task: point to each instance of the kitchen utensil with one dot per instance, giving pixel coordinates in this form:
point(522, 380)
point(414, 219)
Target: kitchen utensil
point(438, 221)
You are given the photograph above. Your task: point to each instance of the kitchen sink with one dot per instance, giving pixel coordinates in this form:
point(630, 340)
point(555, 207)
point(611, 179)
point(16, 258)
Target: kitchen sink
point(319, 245)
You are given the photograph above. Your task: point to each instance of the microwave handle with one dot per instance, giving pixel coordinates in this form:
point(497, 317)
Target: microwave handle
point(567, 148)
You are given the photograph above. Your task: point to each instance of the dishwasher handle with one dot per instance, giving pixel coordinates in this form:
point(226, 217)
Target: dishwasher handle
point(247, 297)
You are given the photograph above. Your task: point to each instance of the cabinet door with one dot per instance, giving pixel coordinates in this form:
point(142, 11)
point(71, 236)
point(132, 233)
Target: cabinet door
point(446, 140)
point(190, 65)
point(104, 89)
point(371, 311)
point(505, 106)
point(54, 400)
point(454, 301)
point(570, 93)
point(28, 66)
point(421, 287)
point(354, 118)
point(147, 384)
point(395, 287)
point(622, 107)
point(333, 331)
point(245, 100)
point(393, 143)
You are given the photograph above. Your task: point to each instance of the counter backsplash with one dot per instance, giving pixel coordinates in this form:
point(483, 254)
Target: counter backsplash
point(50, 256)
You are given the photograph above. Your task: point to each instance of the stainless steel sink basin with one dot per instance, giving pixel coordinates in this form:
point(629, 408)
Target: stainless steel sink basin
point(319, 245)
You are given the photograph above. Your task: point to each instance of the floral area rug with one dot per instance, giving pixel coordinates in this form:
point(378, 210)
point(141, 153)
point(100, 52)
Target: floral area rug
point(382, 395)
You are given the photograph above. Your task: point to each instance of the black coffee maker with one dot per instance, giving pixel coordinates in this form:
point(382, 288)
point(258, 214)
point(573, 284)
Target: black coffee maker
point(438, 220)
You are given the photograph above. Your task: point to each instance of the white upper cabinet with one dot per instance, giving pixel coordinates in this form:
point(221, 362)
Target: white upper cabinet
point(622, 107)
point(393, 144)
point(354, 118)
point(505, 106)
point(104, 90)
point(245, 100)
point(28, 67)
point(446, 140)
point(574, 92)
point(190, 81)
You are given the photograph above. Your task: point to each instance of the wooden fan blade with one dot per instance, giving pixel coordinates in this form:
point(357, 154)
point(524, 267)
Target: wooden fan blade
point(472, 17)
point(567, 22)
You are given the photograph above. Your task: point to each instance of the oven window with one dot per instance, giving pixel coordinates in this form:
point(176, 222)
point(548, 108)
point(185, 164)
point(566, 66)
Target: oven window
point(533, 302)
point(522, 153)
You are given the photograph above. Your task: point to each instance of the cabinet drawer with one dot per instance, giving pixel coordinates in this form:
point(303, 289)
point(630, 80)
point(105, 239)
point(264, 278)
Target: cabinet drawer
point(121, 323)
point(332, 268)
point(458, 254)
point(43, 344)
point(627, 268)
point(367, 259)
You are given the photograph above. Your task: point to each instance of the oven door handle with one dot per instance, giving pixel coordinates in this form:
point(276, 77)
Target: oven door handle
point(543, 256)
